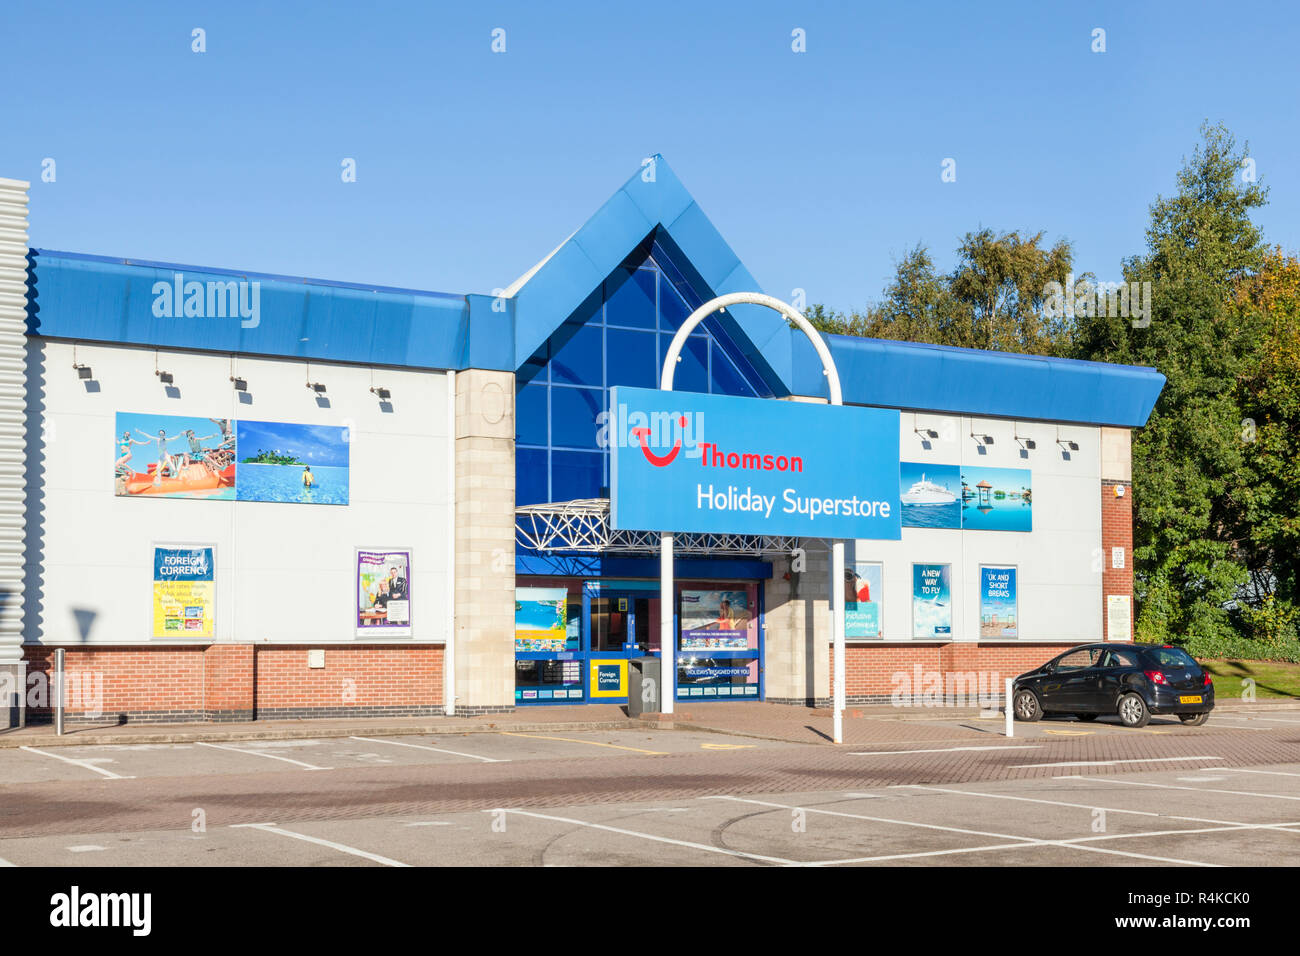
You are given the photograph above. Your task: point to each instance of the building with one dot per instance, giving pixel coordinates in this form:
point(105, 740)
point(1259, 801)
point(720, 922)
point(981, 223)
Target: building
point(451, 551)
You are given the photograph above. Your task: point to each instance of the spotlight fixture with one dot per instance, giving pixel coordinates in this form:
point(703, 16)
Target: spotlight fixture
point(316, 387)
point(240, 384)
point(383, 393)
point(164, 377)
point(982, 439)
point(83, 371)
point(1028, 444)
point(1071, 445)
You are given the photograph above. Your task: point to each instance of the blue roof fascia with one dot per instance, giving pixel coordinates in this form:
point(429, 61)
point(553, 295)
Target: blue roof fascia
point(96, 298)
point(652, 202)
point(490, 343)
point(912, 375)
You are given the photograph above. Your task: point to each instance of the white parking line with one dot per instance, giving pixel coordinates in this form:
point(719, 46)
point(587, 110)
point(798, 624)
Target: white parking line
point(1108, 763)
point(342, 848)
point(4, 862)
point(940, 750)
point(1024, 841)
point(454, 753)
point(1272, 773)
point(258, 753)
point(78, 763)
point(658, 839)
point(85, 848)
point(1170, 786)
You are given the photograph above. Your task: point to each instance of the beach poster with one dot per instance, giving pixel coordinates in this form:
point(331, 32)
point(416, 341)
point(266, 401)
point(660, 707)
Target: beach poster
point(299, 464)
point(932, 600)
point(715, 620)
point(929, 495)
point(383, 593)
point(998, 612)
point(173, 456)
point(184, 592)
point(996, 499)
point(864, 586)
point(541, 619)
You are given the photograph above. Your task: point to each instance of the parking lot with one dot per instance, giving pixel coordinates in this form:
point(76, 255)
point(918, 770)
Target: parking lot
point(929, 792)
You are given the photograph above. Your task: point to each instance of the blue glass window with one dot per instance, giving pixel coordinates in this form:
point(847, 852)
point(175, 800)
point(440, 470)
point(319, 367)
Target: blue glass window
point(531, 476)
point(530, 415)
point(577, 474)
point(573, 416)
point(631, 358)
point(631, 303)
point(692, 373)
point(579, 360)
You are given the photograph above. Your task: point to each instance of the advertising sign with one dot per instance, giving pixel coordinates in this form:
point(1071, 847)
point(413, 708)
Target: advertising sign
point(180, 456)
point(608, 678)
point(999, 615)
point(1119, 618)
point(383, 593)
point(682, 461)
point(184, 592)
point(971, 497)
point(715, 620)
point(864, 587)
point(541, 619)
point(717, 677)
point(931, 600)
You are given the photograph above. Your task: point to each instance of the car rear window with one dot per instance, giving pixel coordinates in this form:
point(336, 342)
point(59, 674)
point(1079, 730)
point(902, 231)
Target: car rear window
point(1121, 659)
point(1173, 657)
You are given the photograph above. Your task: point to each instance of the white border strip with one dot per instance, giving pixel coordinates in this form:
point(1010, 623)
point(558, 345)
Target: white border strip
point(79, 763)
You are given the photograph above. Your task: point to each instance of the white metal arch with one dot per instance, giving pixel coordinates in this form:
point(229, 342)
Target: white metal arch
point(667, 619)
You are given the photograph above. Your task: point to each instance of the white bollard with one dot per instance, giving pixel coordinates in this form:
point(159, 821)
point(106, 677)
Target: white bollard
point(1011, 717)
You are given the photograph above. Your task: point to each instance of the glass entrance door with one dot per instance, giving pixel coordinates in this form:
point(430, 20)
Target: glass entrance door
point(622, 622)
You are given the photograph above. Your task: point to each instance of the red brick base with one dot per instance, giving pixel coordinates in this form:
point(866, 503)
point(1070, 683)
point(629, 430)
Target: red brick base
point(227, 682)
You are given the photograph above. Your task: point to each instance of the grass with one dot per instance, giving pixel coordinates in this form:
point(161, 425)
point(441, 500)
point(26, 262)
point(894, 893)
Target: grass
point(1272, 679)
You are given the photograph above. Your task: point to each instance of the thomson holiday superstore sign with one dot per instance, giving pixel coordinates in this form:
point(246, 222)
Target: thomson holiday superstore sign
point(681, 461)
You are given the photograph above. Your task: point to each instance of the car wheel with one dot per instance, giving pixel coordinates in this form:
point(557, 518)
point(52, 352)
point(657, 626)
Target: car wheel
point(1027, 707)
point(1085, 717)
point(1194, 720)
point(1133, 711)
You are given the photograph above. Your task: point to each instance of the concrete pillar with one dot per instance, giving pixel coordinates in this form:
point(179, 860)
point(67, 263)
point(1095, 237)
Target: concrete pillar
point(485, 542)
point(798, 631)
point(13, 438)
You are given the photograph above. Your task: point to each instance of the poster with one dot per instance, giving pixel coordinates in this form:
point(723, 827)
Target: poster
point(304, 464)
point(864, 589)
point(383, 593)
point(173, 456)
point(1119, 618)
point(541, 619)
point(996, 499)
point(932, 600)
point(181, 456)
point(715, 620)
point(999, 615)
point(930, 495)
point(184, 592)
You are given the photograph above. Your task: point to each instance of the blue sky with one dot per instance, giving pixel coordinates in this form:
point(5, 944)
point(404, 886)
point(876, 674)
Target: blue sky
point(820, 168)
point(310, 444)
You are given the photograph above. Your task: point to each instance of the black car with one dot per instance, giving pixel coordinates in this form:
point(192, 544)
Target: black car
point(1132, 681)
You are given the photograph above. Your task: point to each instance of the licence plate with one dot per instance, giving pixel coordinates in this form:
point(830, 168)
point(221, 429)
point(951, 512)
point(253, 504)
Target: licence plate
point(1192, 699)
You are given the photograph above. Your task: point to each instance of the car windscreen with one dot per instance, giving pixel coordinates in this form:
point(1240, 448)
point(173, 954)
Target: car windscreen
point(1173, 657)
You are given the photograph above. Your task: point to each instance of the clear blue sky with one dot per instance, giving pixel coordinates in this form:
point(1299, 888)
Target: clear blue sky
point(820, 168)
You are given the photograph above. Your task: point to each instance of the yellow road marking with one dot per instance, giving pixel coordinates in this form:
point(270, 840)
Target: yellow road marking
point(593, 743)
point(727, 746)
point(1070, 733)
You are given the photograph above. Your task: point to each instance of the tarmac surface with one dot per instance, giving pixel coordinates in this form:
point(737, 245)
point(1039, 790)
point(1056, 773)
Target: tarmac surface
point(934, 789)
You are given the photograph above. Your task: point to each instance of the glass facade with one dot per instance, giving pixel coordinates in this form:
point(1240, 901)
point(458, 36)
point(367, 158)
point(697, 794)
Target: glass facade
point(621, 340)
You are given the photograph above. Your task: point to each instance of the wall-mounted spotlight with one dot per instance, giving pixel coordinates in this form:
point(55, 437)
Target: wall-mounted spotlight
point(1026, 443)
point(316, 387)
point(165, 377)
point(926, 432)
point(1070, 445)
point(239, 383)
point(383, 393)
point(83, 371)
point(982, 439)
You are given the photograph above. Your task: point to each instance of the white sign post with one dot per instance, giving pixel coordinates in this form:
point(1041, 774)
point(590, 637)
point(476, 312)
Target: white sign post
point(667, 617)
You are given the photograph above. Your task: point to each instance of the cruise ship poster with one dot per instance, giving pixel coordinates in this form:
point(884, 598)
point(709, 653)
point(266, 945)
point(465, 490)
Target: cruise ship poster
point(996, 499)
point(930, 494)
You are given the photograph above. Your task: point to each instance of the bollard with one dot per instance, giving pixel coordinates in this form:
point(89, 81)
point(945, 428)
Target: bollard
point(58, 692)
point(1011, 717)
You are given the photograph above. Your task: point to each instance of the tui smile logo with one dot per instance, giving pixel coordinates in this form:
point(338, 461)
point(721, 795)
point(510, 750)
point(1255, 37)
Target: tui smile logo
point(659, 461)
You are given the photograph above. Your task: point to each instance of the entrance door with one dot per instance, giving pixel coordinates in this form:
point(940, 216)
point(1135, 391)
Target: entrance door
point(621, 623)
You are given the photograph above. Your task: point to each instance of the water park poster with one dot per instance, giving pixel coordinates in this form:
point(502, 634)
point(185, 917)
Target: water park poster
point(715, 620)
point(996, 499)
point(541, 619)
point(998, 612)
point(174, 456)
point(302, 464)
point(930, 495)
point(931, 600)
point(864, 587)
point(184, 591)
point(383, 593)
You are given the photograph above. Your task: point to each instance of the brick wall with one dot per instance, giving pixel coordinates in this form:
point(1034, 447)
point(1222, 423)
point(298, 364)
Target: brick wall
point(228, 682)
point(876, 672)
point(1116, 532)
